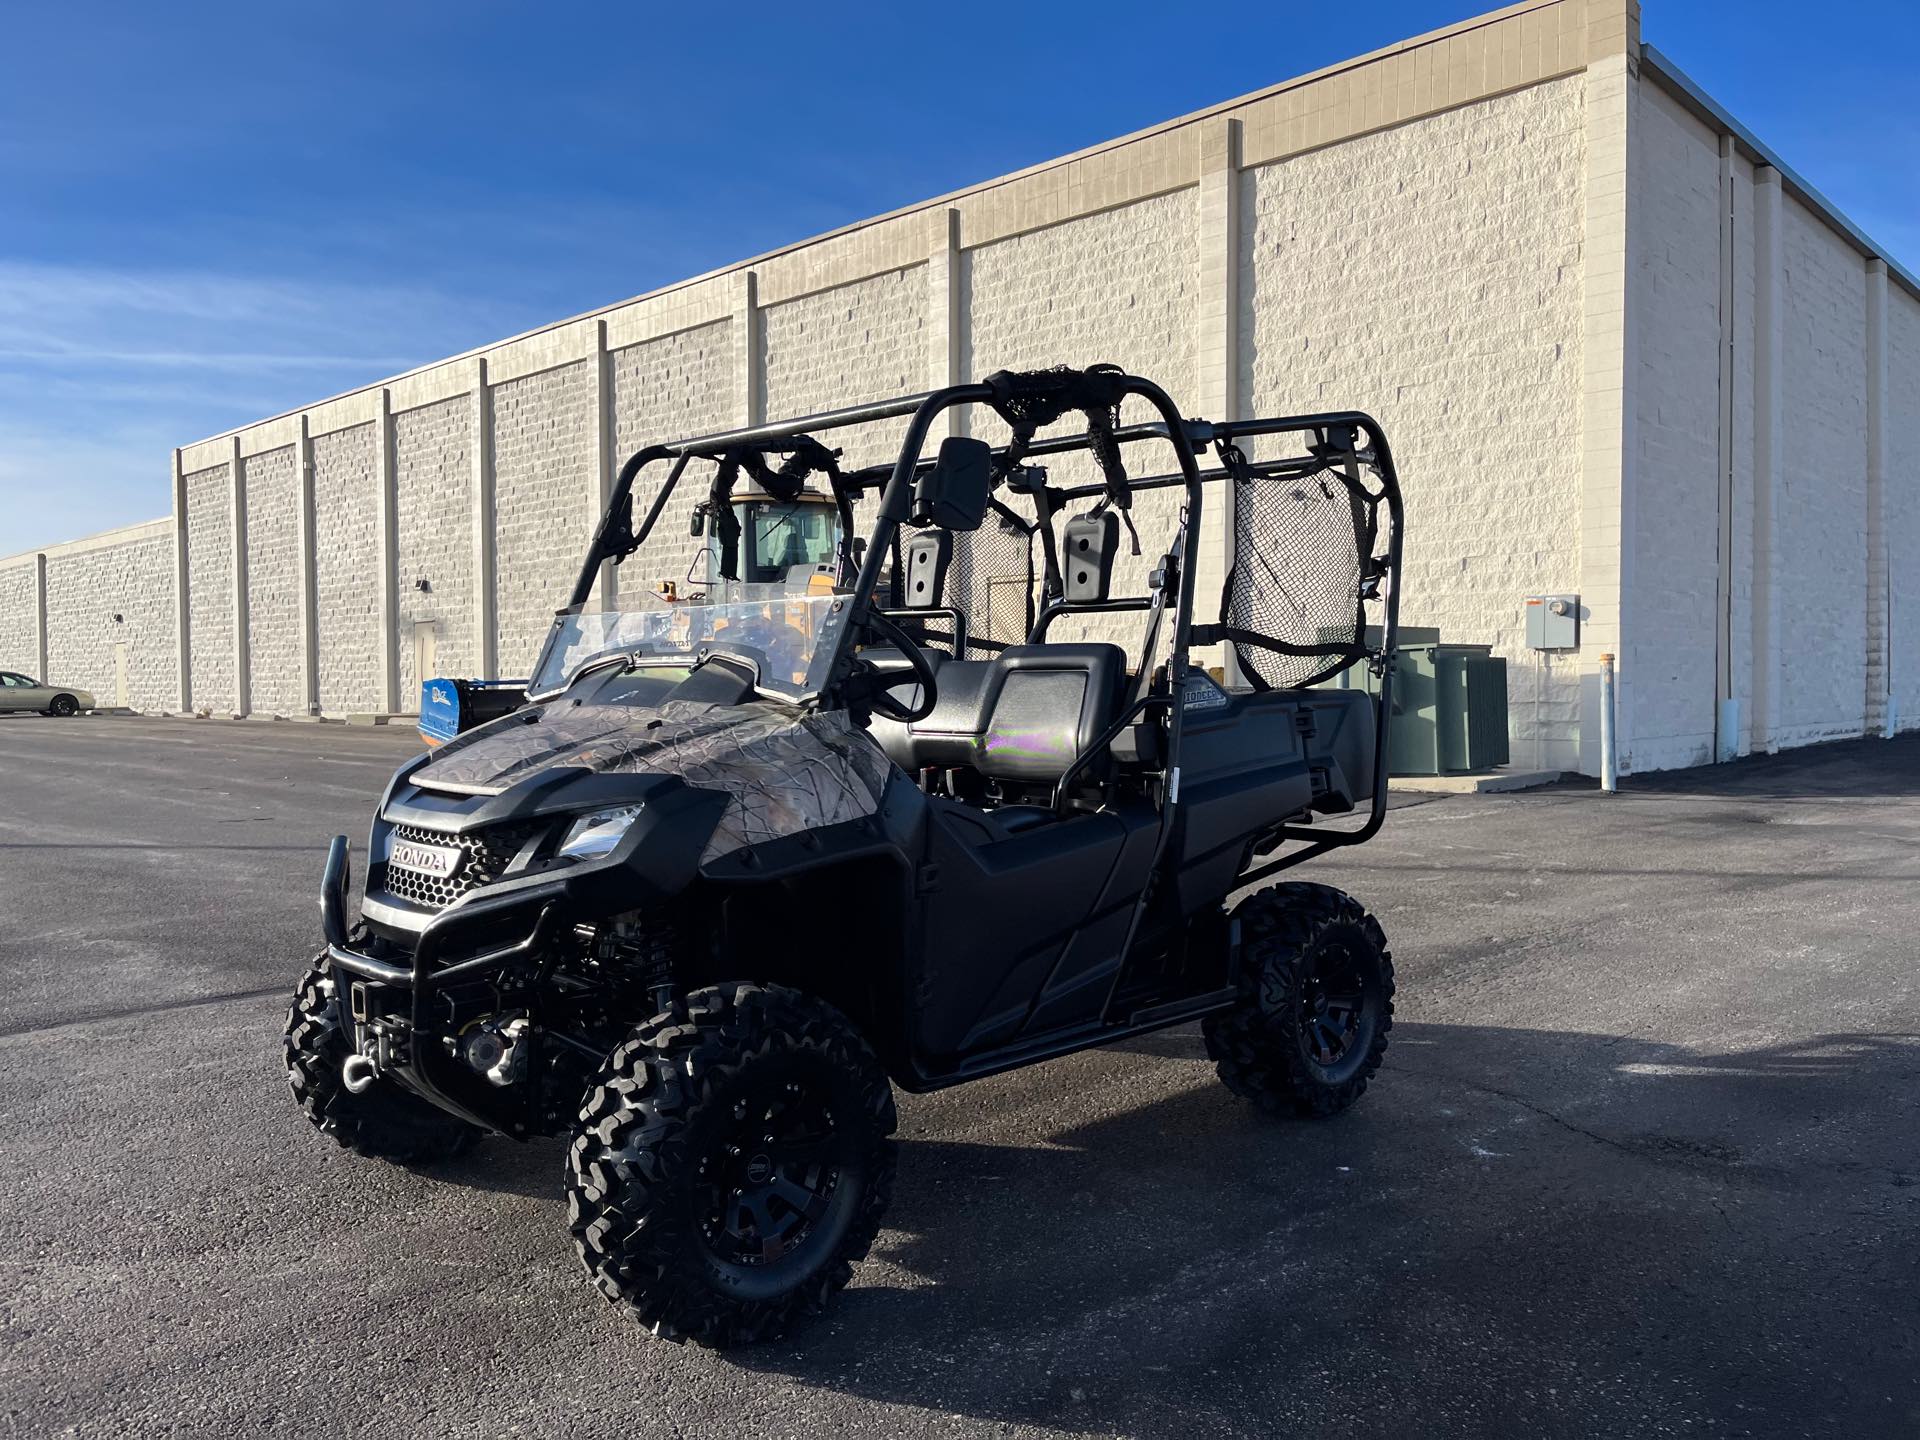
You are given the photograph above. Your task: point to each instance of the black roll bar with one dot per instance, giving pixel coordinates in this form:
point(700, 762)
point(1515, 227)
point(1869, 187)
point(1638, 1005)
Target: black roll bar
point(1183, 434)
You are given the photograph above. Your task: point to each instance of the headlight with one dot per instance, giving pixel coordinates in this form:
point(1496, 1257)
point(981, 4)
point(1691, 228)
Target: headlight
point(598, 832)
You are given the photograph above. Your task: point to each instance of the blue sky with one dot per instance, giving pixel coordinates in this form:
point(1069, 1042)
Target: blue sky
point(211, 213)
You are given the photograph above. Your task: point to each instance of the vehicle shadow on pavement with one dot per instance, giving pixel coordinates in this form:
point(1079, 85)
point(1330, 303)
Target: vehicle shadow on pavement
point(1177, 1268)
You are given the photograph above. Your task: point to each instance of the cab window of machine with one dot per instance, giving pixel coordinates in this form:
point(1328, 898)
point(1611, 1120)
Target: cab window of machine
point(786, 536)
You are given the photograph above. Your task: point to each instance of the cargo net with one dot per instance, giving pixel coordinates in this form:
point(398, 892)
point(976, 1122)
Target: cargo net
point(1308, 559)
point(989, 581)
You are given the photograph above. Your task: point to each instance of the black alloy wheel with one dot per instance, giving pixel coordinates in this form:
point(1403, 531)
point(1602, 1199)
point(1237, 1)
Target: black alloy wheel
point(1332, 997)
point(771, 1177)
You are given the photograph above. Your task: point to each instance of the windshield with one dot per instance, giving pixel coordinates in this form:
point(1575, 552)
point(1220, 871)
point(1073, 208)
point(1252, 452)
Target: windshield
point(673, 601)
point(789, 638)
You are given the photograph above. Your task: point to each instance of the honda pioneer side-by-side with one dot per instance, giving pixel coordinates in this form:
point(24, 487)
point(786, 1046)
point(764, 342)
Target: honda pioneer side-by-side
point(767, 839)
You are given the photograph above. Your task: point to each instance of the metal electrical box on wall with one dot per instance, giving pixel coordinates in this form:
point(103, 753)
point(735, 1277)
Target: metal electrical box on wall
point(1553, 622)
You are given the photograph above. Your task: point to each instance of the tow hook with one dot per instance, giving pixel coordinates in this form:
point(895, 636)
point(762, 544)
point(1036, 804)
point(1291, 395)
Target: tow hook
point(357, 1073)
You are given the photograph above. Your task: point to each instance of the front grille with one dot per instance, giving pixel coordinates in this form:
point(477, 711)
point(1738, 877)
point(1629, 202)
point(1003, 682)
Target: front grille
point(484, 856)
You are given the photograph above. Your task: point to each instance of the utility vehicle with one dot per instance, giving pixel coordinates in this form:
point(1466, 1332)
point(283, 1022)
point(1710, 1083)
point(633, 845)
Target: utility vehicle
point(749, 856)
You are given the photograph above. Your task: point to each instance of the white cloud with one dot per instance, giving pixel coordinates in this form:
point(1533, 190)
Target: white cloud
point(67, 315)
point(103, 371)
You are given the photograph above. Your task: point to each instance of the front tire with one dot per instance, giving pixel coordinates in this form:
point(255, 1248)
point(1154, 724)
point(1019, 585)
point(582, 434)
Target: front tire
point(382, 1121)
point(1316, 1002)
point(63, 706)
point(731, 1164)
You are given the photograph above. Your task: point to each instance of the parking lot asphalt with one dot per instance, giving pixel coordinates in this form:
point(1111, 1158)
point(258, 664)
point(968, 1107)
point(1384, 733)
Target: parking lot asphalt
point(1644, 1158)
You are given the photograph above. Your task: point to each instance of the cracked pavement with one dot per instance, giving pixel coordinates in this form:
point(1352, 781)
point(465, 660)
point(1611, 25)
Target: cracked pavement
point(1642, 1159)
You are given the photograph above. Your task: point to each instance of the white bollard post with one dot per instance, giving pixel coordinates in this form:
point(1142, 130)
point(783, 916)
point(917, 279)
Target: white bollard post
point(1609, 767)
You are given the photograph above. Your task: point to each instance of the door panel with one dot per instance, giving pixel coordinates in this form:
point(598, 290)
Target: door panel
point(1018, 921)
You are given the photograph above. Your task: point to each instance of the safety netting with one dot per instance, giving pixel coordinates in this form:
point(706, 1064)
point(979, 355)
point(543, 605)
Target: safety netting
point(1309, 559)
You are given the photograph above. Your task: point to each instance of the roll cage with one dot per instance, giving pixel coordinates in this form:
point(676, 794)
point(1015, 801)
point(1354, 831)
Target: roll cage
point(1262, 624)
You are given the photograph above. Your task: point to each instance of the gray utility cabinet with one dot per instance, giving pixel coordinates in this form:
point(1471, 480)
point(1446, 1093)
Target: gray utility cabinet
point(1449, 706)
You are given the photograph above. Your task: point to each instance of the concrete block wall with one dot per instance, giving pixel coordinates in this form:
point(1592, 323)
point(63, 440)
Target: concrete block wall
point(1119, 287)
point(100, 597)
point(542, 488)
point(1677, 299)
point(76, 613)
point(277, 659)
point(433, 487)
point(1371, 280)
point(20, 615)
point(346, 570)
point(1823, 521)
point(1129, 252)
point(1773, 478)
point(1742, 301)
point(210, 600)
point(675, 386)
point(1903, 509)
point(846, 346)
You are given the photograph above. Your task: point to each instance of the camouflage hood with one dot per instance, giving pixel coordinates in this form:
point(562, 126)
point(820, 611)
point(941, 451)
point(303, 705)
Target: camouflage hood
point(784, 770)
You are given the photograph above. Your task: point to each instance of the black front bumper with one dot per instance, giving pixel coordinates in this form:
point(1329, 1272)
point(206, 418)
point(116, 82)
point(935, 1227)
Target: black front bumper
point(442, 955)
point(401, 975)
point(540, 908)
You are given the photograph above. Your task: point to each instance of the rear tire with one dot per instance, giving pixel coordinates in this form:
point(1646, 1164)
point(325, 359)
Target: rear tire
point(63, 706)
point(731, 1164)
point(383, 1121)
point(1316, 1002)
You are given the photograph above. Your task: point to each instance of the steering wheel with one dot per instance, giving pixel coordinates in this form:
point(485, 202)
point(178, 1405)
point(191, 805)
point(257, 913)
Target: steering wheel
point(919, 671)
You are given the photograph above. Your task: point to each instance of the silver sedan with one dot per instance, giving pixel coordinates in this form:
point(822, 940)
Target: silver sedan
point(23, 692)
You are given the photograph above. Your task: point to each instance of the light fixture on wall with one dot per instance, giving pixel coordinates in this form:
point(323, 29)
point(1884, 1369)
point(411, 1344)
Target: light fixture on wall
point(119, 619)
point(423, 585)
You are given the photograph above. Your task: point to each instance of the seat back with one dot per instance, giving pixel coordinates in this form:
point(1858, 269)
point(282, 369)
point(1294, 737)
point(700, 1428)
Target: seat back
point(1024, 715)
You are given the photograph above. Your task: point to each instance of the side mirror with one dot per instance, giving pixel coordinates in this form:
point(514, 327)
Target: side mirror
point(697, 522)
point(953, 494)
